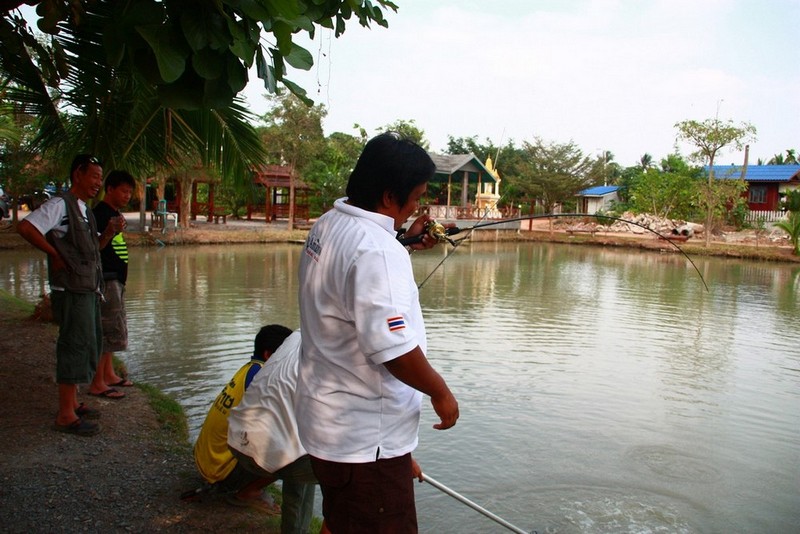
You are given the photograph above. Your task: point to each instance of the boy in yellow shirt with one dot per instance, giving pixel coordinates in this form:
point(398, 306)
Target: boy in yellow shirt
point(212, 456)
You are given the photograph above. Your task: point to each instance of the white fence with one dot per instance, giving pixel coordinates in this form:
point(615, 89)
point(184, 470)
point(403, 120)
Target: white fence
point(766, 216)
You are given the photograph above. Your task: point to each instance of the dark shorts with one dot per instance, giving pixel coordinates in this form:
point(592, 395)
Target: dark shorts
point(236, 479)
point(370, 498)
point(298, 482)
point(80, 336)
point(115, 322)
point(297, 471)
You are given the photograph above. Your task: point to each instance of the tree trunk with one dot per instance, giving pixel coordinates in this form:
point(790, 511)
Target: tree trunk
point(290, 226)
point(185, 199)
point(141, 192)
point(709, 200)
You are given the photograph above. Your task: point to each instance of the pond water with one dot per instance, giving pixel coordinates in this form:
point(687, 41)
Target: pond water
point(600, 390)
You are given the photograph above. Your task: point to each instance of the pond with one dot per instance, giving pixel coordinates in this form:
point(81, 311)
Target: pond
point(601, 390)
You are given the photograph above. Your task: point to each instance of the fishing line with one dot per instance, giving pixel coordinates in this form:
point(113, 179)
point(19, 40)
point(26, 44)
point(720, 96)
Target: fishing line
point(442, 234)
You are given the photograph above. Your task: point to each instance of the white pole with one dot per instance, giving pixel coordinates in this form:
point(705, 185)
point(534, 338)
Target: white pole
point(476, 507)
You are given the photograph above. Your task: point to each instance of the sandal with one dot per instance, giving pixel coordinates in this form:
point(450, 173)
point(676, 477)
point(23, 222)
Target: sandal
point(110, 393)
point(79, 427)
point(123, 383)
point(85, 412)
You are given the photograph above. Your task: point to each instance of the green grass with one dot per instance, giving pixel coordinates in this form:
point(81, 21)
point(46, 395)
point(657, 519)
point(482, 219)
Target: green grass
point(14, 306)
point(169, 414)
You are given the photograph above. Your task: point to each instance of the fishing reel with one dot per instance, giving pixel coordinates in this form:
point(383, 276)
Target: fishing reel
point(434, 229)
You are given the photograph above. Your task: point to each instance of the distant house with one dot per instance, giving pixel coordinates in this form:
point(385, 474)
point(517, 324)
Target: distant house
point(767, 185)
point(597, 198)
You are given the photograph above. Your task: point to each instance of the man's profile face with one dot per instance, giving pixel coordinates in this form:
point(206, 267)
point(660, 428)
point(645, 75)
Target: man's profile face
point(401, 214)
point(87, 181)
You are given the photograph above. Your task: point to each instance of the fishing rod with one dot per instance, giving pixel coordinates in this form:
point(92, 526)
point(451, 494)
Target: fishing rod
point(443, 234)
point(476, 507)
point(440, 233)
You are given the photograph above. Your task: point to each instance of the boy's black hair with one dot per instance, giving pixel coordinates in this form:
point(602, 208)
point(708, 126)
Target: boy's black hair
point(117, 178)
point(269, 338)
point(389, 163)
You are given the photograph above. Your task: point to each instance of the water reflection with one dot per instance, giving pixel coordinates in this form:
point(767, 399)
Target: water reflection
point(601, 390)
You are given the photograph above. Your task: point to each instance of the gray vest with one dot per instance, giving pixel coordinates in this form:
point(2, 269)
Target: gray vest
point(80, 250)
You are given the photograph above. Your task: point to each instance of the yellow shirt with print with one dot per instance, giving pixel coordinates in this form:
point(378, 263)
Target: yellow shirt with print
point(211, 454)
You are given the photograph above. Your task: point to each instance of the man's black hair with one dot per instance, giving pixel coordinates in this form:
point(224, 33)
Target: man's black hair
point(82, 161)
point(269, 338)
point(389, 163)
point(117, 178)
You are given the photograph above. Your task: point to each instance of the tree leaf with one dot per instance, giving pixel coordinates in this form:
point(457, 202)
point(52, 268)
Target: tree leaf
point(170, 56)
point(298, 91)
point(237, 76)
point(195, 31)
point(208, 63)
point(299, 58)
point(265, 72)
point(243, 46)
point(283, 34)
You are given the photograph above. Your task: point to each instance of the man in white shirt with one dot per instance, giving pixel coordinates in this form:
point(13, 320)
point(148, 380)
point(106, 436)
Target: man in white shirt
point(262, 435)
point(363, 368)
point(65, 230)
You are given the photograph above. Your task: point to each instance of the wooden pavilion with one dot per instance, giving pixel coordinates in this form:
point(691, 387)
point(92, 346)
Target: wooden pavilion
point(276, 181)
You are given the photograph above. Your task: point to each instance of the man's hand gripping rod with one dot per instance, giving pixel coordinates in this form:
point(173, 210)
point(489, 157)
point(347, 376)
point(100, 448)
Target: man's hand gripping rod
point(435, 230)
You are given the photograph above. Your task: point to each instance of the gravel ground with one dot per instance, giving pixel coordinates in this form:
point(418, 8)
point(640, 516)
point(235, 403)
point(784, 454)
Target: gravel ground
point(128, 478)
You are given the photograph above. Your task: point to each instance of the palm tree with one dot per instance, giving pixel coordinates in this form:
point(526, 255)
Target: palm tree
point(777, 159)
point(118, 116)
point(791, 225)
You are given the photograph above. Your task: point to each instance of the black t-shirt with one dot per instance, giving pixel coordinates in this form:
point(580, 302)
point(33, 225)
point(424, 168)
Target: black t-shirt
point(115, 255)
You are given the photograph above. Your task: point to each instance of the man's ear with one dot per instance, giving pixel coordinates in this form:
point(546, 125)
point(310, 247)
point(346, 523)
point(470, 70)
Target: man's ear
point(266, 355)
point(387, 199)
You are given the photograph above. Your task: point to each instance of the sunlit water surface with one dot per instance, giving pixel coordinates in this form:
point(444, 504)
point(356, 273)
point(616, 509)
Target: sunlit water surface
point(601, 391)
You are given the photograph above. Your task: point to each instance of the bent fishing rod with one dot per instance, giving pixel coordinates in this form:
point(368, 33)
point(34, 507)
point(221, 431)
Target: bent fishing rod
point(443, 234)
point(478, 508)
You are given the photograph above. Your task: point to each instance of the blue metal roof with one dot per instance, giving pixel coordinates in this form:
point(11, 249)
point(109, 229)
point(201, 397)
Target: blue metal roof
point(758, 173)
point(598, 191)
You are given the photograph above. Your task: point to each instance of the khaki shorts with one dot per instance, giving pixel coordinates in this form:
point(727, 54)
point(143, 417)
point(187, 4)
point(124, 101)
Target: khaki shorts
point(115, 321)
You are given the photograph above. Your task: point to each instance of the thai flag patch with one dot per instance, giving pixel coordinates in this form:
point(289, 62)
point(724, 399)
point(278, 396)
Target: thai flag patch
point(396, 323)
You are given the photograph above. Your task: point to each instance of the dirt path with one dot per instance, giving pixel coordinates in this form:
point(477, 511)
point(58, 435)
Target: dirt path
point(128, 478)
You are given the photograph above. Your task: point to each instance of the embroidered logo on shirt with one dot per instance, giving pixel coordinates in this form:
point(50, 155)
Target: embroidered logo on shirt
point(313, 247)
point(396, 323)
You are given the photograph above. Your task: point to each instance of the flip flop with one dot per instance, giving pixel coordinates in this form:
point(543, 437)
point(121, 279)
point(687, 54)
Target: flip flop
point(79, 427)
point(123, 383)
point(85, 412)
point(110, 393)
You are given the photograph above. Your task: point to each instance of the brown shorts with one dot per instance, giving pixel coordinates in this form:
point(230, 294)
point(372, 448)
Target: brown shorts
point(370, 498)
point(115, 321)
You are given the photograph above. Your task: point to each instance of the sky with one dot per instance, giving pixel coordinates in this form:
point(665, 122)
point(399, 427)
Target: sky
point(608, 75)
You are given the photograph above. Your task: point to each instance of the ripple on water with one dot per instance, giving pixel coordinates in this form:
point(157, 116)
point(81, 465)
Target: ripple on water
point(668, 462)
point(601, 510)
